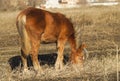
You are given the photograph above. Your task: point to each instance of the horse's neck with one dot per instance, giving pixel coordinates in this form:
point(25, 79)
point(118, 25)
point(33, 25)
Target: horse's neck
point(72, 42)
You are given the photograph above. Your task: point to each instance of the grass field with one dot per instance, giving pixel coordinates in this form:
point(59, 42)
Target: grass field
point(98, 27)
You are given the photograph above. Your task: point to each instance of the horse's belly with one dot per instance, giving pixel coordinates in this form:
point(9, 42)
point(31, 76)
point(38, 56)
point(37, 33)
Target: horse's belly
point(48, 38)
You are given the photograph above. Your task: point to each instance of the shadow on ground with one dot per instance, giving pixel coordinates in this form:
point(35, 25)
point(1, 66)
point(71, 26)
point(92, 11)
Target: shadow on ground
point(48, 59)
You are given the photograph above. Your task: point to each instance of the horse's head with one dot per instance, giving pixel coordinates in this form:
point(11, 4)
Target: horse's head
point(78, 56)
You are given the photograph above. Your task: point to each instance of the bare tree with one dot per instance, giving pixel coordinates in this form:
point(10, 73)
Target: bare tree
point(83, 2)
point(12, 4)
point(4, 4)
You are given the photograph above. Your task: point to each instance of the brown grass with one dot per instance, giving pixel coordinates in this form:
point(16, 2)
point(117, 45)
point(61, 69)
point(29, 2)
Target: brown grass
point(98, 27)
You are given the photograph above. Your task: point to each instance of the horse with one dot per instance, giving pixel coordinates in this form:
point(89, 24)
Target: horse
point(36, 26)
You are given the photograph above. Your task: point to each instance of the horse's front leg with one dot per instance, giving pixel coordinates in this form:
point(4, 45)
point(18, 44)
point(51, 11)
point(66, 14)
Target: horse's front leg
point(59, 61)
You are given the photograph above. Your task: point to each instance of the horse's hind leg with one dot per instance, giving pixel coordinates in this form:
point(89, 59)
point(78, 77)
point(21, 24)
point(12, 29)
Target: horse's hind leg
point(24, 60)
point(34, 54)
point(25, 49)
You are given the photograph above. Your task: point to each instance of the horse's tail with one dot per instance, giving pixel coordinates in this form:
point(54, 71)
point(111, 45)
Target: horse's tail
point(25, 40)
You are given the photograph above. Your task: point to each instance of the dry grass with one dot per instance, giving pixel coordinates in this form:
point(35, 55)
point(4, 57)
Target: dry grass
point(98, 27)
point(94, 70)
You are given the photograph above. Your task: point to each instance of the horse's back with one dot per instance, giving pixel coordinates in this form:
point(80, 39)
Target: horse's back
point(52, 25)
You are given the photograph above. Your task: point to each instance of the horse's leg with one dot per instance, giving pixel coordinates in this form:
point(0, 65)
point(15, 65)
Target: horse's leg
point(59, 61)
point(24, 60)
point(25, 50)
point(34, 54)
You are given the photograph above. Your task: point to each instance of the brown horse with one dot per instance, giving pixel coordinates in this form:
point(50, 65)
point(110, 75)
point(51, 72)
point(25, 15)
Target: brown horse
point(36, 26)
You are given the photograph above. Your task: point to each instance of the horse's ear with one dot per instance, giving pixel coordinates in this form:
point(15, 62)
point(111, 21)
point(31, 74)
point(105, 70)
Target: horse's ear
point(81, 47)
